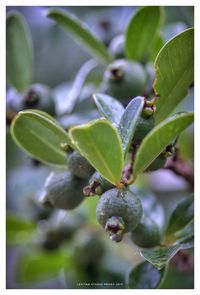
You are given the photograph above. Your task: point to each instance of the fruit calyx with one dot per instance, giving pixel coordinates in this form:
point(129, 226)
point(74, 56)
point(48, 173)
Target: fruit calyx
point(92, 189)
point(31, 98)
point(115, 227)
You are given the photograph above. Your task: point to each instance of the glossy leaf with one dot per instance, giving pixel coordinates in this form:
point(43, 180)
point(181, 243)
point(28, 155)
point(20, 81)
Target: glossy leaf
point(181, 216)
point(82, 34)
point(18, 229)
point(18, 52)
point(36, 266)
point(174, 73)
point(73, 95)
point(109, 107)
point(129, 122)
point(145, 276)
point(184, 235)
point(160, 256)
point(100, 143)
point(158, 138)
point(141, 32)
point(41, 136)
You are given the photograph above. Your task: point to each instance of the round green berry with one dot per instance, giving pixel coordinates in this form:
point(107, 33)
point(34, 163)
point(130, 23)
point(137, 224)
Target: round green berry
point(119, 212)
point(79, 166)
point(124, 79)
point(144, 126)
point(146, 234)
point(63, 190)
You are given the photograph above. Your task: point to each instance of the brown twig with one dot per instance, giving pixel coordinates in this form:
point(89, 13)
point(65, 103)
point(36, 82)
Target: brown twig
point(181, 168)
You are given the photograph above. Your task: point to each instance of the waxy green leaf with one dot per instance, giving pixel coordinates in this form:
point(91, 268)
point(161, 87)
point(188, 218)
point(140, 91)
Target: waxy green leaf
point(141, 32)
point(183, 236)
point(160, 256)
point(41, 136)
point(129, 121)
point(145, 276)
point(109, 107)
point(100, 143)
point(82, 34)
point(158, 138)
point(18, 52)
point(181, 216)
point(174, 73)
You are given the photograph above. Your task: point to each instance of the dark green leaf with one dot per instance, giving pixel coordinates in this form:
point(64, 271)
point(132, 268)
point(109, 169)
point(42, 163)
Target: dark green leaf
point(184, 235)
point(100, 143)
point(81, 33)
point(18, 52)
point(178, 278)
point(109, 107)
point(181, 216)
point(19, 229)
point(74, 94)
point(160, 256)
point(174, 72)
point(157, 139)
point(141, 32)
point(129, 121)
point(145, 276)
point(41, 136)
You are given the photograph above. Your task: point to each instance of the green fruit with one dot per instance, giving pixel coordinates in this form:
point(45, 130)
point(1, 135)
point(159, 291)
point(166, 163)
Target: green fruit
point(119, 212)
point(79, 166)
point(37, 96)
point(146, 234)
point(144, 126)
point(63, 190)
point(97, 185)
point(116, 46)
point(124, 79)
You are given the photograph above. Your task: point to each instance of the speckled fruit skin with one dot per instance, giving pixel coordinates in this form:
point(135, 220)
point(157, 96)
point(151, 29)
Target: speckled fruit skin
point(131, 84)
point(144, 126)
point(122, 203)
point(79, 166)
point(63, 190)
point(146, 234)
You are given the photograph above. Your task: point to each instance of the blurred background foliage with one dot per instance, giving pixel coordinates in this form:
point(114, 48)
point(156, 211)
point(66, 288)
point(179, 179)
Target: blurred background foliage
point(36, 257)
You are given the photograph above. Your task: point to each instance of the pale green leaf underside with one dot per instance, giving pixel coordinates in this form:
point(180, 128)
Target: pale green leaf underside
point(129, 121)
point(160, 256)
point(18, 52)
point(109, 107)
point(82, 34)
point(141, 32)
point(40, 136)
point(100, 143)
point(160, 136)
point(174, 73)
